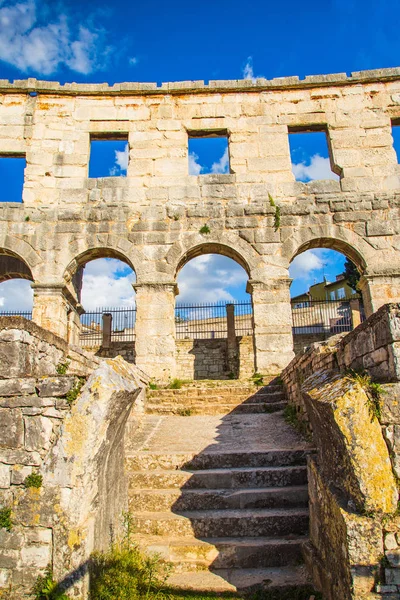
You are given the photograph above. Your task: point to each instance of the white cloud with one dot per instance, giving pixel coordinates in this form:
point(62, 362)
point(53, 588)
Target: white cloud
point(221, 166)
point(248, 71)
point(194, 167)
point(305, 264)
point(33, 40)
point(16, 294)
point(121, 162)
point(319, 168)
point(210, 278)
point(107, 282)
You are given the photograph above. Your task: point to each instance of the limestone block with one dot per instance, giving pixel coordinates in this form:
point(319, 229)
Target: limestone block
point(5, 476)
point(19, 474)
point(55, 386)
point(38, 556)
point(38, 431)
point(11, 428)
point(350, 445)
point(17, 387)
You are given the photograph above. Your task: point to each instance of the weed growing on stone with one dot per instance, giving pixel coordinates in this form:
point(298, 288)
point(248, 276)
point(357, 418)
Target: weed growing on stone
point(34, 480)
point(373, 390)
point(184, 412)
point(204, 230)
point(292, 418)
point(277, 216)
point(258, 379)
point(153, 386)
point(175, 384)
point(62, 367)
point(75, 391)
point(5, 518)
point(46, 588)
point(125, 572)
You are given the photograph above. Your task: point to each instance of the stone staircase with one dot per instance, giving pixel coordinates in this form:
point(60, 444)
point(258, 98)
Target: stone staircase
point(222, 493)
point(215, 399)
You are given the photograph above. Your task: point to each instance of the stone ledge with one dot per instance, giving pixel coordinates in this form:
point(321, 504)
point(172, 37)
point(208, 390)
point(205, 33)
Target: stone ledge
point(33, 86)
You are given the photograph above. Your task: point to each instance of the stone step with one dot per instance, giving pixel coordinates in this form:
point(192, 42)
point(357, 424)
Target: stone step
point(188, 500)
point(213, 409)
point(145, 460)
point(232, 580)
point(220, 478)
point(217, 387)
point(190, 554)
point(217, 523)
point(215, 397)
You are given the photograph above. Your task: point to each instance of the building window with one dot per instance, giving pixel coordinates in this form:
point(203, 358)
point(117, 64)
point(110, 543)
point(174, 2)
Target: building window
point(12, 171)
point(332, 295)
point(109, 156)
point(208, 153)
point(310, 155)
point(341, 293)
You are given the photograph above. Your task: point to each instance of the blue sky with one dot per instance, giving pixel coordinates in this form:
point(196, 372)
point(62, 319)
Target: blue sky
point(95, 41)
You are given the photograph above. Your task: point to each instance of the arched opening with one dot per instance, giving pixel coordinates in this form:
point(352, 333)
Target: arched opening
point(102, 281)
point(213, 315)
point(325, 297)
point(16, 294)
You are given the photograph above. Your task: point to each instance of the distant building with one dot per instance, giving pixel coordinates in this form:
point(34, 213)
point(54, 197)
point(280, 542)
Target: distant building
point(325, 291)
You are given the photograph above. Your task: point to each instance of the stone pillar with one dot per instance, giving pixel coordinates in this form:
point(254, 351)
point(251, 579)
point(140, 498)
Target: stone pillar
point(231, 343)
point(272, 314)
point(355, 312)
point(378, 290)
point(51, 307)
point(74, 323)
point(155, 329)
point(107, 323)
point(55, 309)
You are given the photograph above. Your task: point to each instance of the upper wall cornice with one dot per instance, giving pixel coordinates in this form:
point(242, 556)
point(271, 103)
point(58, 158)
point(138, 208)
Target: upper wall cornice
point(32, 85)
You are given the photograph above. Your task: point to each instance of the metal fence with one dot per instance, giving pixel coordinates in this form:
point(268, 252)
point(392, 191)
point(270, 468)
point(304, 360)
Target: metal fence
point(209, 320)
point(16, 313)
point(326, 318)
point(122, 326)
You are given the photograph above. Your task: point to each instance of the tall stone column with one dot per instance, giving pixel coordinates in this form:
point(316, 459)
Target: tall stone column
point(155, 329)
point(272, 314)
point(378, 290)
point(51, 308)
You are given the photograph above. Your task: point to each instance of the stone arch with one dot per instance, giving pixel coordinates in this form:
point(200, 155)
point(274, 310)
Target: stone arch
point(22, 251)
point(13, 267)
point(225, 244)
point(335, 238)
point(73, 273)
point(92, 254)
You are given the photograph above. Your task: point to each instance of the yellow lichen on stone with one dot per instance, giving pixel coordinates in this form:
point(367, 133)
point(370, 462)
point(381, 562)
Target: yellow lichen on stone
point(340, 408)
point(368, 451)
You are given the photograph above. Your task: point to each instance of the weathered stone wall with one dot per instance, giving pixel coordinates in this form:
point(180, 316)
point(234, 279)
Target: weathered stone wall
point(124, 349)
point(246, 360)
point(152, 218)
point(352, 481)
point(202, 359)
point(69, 429)
point(301, 341)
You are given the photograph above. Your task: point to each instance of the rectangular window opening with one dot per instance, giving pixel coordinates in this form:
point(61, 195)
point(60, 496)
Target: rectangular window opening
point(310, 155)
point(396, 137)
point(109, 155)
point(12, 172)
point(208, 152)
